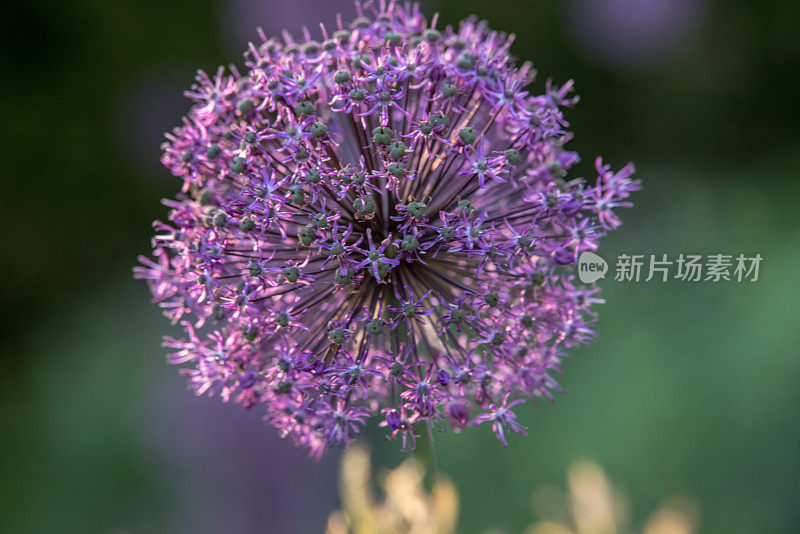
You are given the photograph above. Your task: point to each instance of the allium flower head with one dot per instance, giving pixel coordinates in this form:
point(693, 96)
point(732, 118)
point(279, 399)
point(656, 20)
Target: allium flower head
point(378, 223)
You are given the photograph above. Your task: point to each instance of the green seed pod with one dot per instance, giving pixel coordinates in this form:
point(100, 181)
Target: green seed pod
point(342, 35)
point(305, 107)
point(409, 243)
point(292, 274)
point(365, 205)
point(318, 130)
point(374, 327)
point(254, 268)
point(465, 62)
point(439, 120)
point(251, 333)
point(342, 280)
point(393, 38)
point(213, 151)
point(432, 35)
point(247, 225)
point(336, 336)
point(245, 105)
point(382, 135)
point(467, 135)
point(416, 209)
point(298, 196)
point(282, 319)
point(512, 156)
point(306, 235)
point(538, 278)
point(205, 197)
point(238, 164)
point(525, 243)
point(397, 150)
point(358, 178)
point(467, 205)
point(313, 176)
point(397, 169)
point(311, 48)
point(556, 169)
point(341, 77)
point(359, 60)
point(251, 138)
point(449, 90)
point(356, 95)
point(320, 220)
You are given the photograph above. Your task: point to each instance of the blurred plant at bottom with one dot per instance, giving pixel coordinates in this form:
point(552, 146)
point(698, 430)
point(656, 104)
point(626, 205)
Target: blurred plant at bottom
point(407, 505)
point(591, 505)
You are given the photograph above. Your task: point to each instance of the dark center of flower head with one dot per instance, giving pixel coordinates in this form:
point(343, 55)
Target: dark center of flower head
point(364, 218)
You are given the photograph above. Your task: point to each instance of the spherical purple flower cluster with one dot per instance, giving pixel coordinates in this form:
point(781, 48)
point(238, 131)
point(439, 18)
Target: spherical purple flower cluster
point(379, 222)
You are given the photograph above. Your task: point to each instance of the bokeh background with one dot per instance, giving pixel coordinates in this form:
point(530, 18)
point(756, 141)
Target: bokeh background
point(691, 389)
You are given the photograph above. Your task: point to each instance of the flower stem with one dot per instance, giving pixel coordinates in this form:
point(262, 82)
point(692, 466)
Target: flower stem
point(426, 456)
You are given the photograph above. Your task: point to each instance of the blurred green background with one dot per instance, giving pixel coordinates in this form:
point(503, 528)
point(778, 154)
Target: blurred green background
point(691, 389)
